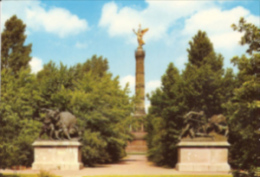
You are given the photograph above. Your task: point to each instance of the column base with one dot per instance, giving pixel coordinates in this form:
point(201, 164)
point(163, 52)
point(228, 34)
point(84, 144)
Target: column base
point(138, 145)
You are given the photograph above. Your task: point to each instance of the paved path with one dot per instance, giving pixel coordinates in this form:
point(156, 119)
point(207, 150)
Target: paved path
point(131, 165)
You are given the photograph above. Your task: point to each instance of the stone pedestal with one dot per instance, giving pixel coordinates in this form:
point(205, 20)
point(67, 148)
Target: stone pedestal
point(203, 156)
point(57, 155)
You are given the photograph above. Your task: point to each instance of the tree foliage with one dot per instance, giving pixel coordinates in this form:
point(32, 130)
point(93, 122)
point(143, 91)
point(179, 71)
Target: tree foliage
point(205, 85)
point(101, 106)
point(14, 54)
point(198, 87)
point(202, 77)
point(251, 36)
point(200, 47)
point(18, 128)
point(164, 119)
point(244, 107)
point(103, 109)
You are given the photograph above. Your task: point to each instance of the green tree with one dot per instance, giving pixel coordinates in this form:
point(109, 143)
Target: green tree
point(203, 77)
point(14, 54)
point(18, 128)
point(103, 109)
point(18, 94)
point(87, 90)
point(200, 48)
point(54, 83)
point(97, 65)
point(164, 120)
point(251, 36)
point(244, 107)
point(199, 87)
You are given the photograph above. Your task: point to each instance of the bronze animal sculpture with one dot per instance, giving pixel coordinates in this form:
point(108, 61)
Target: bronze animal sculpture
point(66, 122)
point(48, 125)
point(218, 123)
point(61, 123)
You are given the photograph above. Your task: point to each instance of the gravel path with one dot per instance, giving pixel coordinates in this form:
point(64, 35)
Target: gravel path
point(131, 165)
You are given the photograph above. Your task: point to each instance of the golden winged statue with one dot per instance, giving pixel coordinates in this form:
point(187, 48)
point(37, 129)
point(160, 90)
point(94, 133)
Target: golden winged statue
point(139, 35)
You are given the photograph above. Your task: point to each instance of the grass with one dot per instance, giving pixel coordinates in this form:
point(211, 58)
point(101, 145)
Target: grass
point(22, 175)
point(37, 175)
point(41, 174)
point(161, 176)
point(18, 175)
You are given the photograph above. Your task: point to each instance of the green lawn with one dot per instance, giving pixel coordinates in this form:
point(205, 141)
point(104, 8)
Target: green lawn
point(36, 175)
point(17, 175)
point(161, 176)
point(23, 175)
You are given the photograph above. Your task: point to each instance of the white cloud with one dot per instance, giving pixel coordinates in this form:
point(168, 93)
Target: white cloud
point(120, 23)
point(130, 80)
point(217, 24)
point(81, 45)
point(58, 21)
point(36, 64)
point(158, 17)
point(162, 19)
point(152, 85)
point(10, 8)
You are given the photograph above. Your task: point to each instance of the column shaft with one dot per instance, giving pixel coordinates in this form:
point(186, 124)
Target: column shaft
point(139, 81)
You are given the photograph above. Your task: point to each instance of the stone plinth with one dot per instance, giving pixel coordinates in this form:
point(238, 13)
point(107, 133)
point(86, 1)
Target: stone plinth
point(57, 155)
point(203, 156)
point(138, 145)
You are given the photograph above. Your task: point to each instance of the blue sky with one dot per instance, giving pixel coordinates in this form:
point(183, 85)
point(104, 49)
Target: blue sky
point(72, 31)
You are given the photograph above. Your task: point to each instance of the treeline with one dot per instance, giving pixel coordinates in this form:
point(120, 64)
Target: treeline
point(87, 90)
point(205, 86)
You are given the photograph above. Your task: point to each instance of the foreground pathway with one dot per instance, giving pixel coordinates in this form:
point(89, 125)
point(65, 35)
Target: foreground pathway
point(131, 165)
